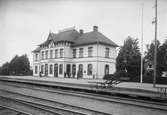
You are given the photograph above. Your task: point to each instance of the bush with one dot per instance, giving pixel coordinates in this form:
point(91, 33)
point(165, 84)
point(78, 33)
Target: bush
point(122, 75)
point(108, 76)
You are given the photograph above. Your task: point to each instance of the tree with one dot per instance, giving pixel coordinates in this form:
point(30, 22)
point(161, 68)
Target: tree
point(162, 57)
point(4, 70)
point(19, 65)
point(149, 58)
point(129, 57)
point(23, 65)
point(13, 68)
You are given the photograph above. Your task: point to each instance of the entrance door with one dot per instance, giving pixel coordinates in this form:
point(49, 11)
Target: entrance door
point(55, 70)
point(80, 70)
point(68, 70)
point(46, 69)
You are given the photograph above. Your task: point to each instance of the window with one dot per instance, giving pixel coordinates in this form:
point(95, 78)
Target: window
point(107, 52)
point(46, 69)
point(36, 57)
point(46, 54)
point(36, 69)
point(106, 69)
point(74, 53)
point(42, 68)
point(80, 52)
point(61, 53)
point(56, 53)
point(80, 71)
point(51, 69)
point(42, 55)
point(61, 69)
point(89, 69)
point(90, 51)
point(51, 54)
point(73, 68)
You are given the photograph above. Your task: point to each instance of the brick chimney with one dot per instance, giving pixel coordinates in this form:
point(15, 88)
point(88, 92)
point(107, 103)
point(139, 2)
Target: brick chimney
point(95, 28)
point(81, 31)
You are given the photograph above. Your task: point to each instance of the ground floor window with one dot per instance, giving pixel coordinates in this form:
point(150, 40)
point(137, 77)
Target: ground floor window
point(46, 69)
point(61, 69)
point(42, 68)
point(80, 71)
point(36, 69)
point(51, 69)
point(73, 70)
point(106, 69)
point(89, 69)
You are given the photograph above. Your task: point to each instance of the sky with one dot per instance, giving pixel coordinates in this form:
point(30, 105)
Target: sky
point(24, 24)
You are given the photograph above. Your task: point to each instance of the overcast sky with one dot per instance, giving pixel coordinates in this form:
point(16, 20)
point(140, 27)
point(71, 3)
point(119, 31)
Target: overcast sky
point(26, 23)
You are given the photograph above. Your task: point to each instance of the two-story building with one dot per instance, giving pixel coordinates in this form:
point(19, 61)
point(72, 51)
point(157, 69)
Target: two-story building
point(70, 53)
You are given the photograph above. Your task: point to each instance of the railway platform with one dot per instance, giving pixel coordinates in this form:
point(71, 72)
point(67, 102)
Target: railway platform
point(131, 88)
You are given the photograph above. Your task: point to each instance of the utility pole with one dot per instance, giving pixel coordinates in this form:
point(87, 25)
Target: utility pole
point(155, 49)
point(141, 75)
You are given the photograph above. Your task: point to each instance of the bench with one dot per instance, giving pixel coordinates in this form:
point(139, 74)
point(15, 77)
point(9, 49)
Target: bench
point(162, 91)
point(111, 82)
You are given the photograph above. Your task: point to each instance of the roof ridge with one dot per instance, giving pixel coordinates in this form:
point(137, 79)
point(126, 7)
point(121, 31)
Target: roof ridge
point(67, 29)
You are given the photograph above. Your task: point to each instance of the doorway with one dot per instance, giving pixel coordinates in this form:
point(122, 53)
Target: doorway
point(46, 69)
point(80, 71)
point(68, 70)
point(55, 70)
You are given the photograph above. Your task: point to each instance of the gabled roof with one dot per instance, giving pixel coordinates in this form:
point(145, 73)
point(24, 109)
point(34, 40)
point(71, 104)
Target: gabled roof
point(93, 37)
point(37, 49)
point(69, 35)
point(78, 39)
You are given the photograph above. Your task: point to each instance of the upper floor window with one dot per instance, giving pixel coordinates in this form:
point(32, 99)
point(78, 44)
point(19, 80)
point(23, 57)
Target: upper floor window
point(56, 53)
point(51, 54)
point(61, 53)
point(36, 57)
point(46, 54)
point(80, 52)
point(89, 69)
point(74, 53)
point(42, 55)
point(107, 52)
point(36, 69)
point(90, 51)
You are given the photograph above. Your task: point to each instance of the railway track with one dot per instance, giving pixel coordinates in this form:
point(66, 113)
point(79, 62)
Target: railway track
point(39, 106)
point(11, 111)
point(104, 98)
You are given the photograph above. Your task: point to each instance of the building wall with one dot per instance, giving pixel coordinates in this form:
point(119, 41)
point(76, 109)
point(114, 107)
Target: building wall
point(98, 60)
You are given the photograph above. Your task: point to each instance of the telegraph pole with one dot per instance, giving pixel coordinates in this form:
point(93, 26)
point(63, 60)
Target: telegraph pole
point(155, 49)
point(141, 75)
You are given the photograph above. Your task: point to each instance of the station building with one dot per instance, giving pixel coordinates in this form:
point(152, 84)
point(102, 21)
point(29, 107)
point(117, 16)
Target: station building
point(73, 54)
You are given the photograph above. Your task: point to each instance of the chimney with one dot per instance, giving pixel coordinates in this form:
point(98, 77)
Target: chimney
point(95, 28)
point(81, 31)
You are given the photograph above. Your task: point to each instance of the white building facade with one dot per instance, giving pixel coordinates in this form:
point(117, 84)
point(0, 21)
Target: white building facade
point(74, 54)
